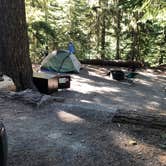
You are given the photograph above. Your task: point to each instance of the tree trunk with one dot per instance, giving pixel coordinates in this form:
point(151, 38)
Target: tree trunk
point(161, 59)
point(103, 37)
point(14, 46)
point(98, 31)
point(117, 31)
point(135, 35)
point(133, 45)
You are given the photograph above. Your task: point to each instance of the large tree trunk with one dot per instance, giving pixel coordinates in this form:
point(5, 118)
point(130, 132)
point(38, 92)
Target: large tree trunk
point(14, 46)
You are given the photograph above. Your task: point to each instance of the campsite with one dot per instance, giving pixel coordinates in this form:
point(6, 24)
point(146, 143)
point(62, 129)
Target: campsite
point(79, 130)
point(82, 83)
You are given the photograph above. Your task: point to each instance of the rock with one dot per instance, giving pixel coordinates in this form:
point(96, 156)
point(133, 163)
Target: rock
point(82, 141)
point(69, 133)
point(132, 142)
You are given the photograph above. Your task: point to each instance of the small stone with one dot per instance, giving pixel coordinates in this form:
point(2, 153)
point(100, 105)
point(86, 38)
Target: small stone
point(82, 141)
point(132, 142)
point(70, 133)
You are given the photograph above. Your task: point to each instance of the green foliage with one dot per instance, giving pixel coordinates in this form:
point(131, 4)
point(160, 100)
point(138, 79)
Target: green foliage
point(138, 26)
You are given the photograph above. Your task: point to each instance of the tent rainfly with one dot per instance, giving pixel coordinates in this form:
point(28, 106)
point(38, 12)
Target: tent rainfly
point(61, 61)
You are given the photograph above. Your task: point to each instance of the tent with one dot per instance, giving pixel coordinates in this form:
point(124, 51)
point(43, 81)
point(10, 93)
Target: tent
point(61, 61)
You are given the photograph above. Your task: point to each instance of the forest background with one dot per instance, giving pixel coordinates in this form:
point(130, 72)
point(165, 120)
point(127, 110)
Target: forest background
point(99, 29)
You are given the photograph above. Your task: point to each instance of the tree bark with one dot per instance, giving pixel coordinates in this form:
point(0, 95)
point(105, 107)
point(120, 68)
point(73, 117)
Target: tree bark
point(14, 47)
point(133, 45)
point(103, 33)
point(161, 59)
point(135, 35)
point(117, 32)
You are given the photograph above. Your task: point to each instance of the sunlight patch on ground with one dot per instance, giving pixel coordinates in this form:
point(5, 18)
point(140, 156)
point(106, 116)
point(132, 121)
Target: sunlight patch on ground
point(138, 149)
point(64, 140)
point(55, 135)
point(162, 158)
point(69, 118)
point(76, 146)
point(144, 82)
point(163, 114)
point(97, 75)
point(148, 74)
point(87, 86)
point(153, 104)
point(23, 118)
point(85, 89)
point(140, 94)
point(86, 101)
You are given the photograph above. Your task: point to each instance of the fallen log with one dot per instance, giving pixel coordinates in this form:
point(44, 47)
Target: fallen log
point(148, 119)
point(160, 67)
point(111, 63)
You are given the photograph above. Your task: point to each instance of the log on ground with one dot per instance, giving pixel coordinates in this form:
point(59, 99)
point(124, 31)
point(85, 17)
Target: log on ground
point(148, 119)
point(112, 63)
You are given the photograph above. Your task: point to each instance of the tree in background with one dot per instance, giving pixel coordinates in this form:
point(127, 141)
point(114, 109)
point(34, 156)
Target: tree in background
point(14, 46)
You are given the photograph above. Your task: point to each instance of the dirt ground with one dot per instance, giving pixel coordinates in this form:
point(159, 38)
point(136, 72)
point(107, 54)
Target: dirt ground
point(80, 132)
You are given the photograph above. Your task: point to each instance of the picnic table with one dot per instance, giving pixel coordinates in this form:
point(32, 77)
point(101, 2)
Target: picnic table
point(50, 82)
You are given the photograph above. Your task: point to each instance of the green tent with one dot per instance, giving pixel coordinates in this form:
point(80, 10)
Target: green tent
point(62, 62)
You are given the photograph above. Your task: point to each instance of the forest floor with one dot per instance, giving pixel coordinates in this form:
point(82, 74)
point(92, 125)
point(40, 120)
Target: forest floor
point(79, 131)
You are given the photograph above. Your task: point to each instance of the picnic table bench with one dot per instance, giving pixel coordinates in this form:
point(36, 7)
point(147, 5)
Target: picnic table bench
point(49, 82)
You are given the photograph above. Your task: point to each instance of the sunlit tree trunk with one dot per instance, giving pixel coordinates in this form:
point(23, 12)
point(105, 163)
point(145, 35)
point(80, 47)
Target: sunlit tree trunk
point(135, 35)
point(103, 34)
point(14, 46)
point(161, 60)
point(162, 47)
point(104, 6)
point(133, 44)
point(98, 30)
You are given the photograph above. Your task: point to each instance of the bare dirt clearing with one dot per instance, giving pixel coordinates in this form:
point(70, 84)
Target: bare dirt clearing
point(79, 131)
point(92, 86)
